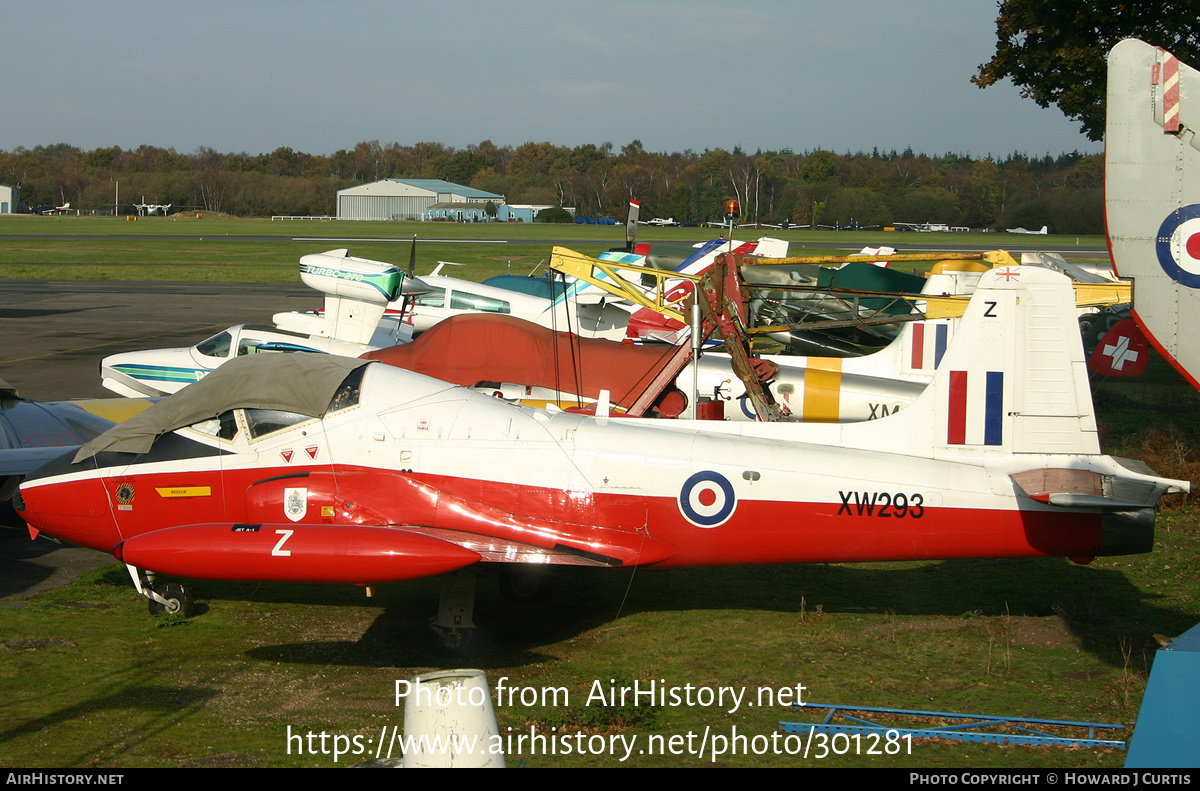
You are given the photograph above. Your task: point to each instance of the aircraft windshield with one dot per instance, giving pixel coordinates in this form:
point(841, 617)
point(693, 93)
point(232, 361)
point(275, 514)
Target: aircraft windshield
point(347, 395)
point(216, 346)
point(435, 298)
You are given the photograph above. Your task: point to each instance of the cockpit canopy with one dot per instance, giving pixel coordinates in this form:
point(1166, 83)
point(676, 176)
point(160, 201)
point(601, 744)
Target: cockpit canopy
point(278, 390)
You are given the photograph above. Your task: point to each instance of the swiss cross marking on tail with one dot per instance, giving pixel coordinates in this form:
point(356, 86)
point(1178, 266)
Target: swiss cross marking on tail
point(1121, 353)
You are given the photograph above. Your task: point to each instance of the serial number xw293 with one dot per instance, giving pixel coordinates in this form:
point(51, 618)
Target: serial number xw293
point(882, 504)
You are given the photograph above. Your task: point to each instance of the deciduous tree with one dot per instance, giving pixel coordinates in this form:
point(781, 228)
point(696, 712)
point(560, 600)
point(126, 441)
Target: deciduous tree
point(1055, 50)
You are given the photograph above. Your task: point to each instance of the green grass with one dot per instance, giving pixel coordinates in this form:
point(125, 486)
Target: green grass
point(108, 685)
point(222, 253)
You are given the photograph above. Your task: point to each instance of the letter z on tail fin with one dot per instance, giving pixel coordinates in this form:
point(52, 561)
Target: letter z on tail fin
point(1012, 396)
point(1013, 378)
point(1152, 194)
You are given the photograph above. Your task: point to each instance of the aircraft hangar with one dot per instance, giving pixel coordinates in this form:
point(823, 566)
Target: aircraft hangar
point(405, 199)
point(10, 199)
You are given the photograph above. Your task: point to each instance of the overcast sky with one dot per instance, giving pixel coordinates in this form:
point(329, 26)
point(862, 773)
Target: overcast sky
point(317, 77)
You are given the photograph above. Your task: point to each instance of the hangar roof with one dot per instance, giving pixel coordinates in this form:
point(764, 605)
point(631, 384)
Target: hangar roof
point(438, 185)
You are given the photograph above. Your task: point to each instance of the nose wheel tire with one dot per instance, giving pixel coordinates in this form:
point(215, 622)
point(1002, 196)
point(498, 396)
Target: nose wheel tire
point(179, 601)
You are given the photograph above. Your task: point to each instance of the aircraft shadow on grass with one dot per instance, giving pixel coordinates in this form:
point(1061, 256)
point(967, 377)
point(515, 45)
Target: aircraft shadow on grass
point(1100, 607)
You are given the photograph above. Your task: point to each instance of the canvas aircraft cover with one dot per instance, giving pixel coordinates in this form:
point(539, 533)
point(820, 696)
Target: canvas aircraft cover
point(300, 382)
point(472, 348)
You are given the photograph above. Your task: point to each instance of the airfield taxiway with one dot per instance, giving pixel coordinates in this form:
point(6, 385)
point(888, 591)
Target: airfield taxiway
point(56, 332)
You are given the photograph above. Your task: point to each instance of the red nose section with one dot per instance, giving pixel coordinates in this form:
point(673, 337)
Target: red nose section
point(294, 553)
point(77, 511)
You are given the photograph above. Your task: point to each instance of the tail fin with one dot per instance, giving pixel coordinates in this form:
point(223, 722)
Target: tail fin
point(1013, 379)
point(1152, 194)
point(920, 345)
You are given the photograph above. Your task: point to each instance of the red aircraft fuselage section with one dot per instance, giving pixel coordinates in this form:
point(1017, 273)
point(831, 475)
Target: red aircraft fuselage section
point(704, 525)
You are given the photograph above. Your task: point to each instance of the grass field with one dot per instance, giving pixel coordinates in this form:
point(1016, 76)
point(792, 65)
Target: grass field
point(89, 679)
point(260, 251)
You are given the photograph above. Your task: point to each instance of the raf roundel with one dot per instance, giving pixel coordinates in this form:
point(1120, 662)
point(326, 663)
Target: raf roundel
point(1178, 245)
point(707, 499)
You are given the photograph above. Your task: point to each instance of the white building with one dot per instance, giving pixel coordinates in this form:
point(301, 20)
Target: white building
point(405, 199)
point(10, 199)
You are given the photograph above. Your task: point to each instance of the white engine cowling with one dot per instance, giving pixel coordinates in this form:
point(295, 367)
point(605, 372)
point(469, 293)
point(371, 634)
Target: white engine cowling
point(341, 275)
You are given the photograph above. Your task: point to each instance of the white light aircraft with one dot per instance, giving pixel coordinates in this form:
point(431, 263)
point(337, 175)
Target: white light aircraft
point(576, 307)
point(152, 209)
point(357, 291)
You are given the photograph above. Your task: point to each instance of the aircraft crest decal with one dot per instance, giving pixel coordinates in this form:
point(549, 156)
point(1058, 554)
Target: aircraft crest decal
point(707, 499)
point(124, 495)
point(295, 503)
point(1178, 245)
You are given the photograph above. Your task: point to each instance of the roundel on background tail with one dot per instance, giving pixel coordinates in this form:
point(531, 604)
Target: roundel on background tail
point(744, 403)
point(1178, 245)
point(707, 499)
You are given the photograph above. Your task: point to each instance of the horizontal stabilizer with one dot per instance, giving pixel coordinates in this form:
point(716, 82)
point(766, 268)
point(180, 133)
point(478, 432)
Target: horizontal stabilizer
point(1136, 487)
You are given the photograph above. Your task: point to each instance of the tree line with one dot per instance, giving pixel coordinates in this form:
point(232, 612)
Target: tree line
point(816, 187)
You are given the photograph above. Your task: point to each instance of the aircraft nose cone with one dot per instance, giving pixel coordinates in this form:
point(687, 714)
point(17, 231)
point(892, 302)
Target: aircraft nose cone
point(75, 511)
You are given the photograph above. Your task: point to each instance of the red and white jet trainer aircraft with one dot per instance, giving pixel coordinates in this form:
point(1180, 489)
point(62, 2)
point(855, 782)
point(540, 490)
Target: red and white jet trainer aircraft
point(314, 468)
